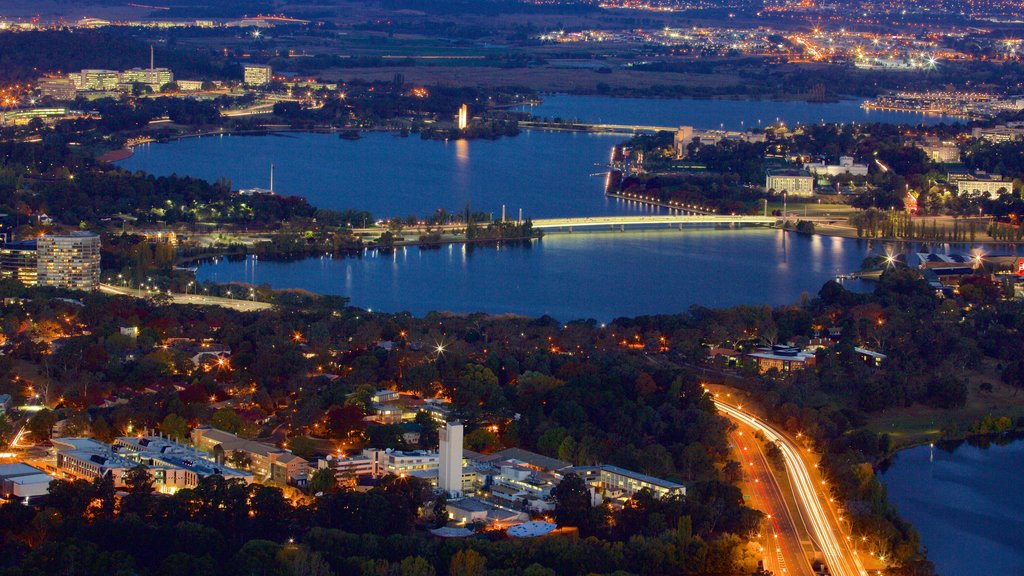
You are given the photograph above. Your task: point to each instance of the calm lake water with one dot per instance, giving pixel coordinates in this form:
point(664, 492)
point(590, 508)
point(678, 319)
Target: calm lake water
point(967, 506)
point(570, 276)
point(715, 114)
point(601, 276)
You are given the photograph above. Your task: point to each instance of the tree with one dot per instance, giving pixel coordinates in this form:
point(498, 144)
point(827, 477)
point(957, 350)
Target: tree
point(101, 430)
point(415, 566)
point(482, 440)
point(6, 429)
point(227, 420)
point(302, 446)
point(572, 502)
point(440, 511)
point(76, 425)
point(174, 426)
point(428, 429)
point(139, 480)
point(240, 459)
point(40, 425)
point(323, 481)
point(467, 562)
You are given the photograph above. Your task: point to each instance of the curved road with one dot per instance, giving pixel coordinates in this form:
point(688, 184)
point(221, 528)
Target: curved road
point(820, 518)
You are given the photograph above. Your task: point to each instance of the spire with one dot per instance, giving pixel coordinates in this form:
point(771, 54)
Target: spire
point(271, 177)
point(151, 57)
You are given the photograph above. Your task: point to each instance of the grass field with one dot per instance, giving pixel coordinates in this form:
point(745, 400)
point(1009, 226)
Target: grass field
point(918, 424)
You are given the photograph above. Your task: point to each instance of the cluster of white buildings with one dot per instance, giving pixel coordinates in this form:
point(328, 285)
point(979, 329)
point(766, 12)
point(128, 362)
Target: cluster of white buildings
point(685, 135)
point(171, 466)
point(497, 489)
point(846, 166)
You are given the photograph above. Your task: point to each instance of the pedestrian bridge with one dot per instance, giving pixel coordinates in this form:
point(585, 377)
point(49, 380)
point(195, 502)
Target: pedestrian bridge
point(621, 222)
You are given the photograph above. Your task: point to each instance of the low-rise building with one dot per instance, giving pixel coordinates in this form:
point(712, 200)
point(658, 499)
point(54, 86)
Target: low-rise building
point(171, 466)
point(794, 182)
point(1002, 133)
point(983, 185)
point(383, 396)
point(941, 152)
point(782, 358)
point(846, 166)
point(268, 462)
point(257, 75)
point(60, 89)
point(18, 480)
point(618, 483)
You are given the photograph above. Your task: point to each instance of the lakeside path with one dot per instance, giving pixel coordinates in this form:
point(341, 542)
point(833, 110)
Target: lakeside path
point(193, 299)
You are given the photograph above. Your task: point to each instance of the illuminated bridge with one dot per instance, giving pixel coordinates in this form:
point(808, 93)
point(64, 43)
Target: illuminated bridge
point(597, 128)
point(621, 222)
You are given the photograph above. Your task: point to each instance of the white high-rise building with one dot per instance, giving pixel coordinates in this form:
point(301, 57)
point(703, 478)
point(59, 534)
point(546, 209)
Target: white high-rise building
point(463, 116)
point(69, 261)
point(449, 472)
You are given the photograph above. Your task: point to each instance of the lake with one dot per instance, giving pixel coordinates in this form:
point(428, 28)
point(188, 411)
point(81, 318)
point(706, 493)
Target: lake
point(966, 504)
point(546, 174)
point(717, 114)
point(600, 275)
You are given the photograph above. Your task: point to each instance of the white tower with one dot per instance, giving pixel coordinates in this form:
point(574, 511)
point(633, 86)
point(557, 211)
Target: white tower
point(449, 471)
point(463, 117)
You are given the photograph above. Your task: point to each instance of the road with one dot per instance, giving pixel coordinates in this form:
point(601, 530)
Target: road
point(780, 538)
point(816, 510)
point(195, 299)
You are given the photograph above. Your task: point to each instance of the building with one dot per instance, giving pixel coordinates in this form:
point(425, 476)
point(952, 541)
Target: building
point(348, 469)
point(981, 186)
point(171, 466)
point(449, 477)
point(19, 480)
point(463, 117)
point(942, 152)
point(1002, 133)
point(475, 511)
point(683, 137)
point(618, 483)
point(846, 166)
point(190, 85)
point(22, 116)
point(404, 462)
point(18, 261)
point(94, 79)
point(155, 78)
point(383, 396)
point(792, 181)
point(90, 459)
point(62, 89)
point(782, 358)
point(268, 462)
point(69, 261)
point(257, 75)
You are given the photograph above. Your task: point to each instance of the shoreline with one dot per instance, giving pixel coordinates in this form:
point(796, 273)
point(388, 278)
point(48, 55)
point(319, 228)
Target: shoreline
point(116, 155)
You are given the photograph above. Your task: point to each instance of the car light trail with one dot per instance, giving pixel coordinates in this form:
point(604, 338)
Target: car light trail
point(839, 563)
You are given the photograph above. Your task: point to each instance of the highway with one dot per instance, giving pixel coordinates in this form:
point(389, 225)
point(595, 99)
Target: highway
point(820, 517)
point(780, 539)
